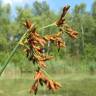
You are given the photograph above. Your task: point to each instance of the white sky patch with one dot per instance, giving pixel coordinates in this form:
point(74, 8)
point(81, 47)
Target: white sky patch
point(12, 2)
point(40, 0)
point(4, 2)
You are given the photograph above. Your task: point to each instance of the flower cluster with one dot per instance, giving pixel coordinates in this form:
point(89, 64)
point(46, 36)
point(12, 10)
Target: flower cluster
point(34, 46)
point(63, 26)
point(56, 39)
point(41, 79)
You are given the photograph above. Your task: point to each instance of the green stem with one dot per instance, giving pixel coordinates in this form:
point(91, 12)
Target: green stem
point(11, 55)
point(14, 50)
point(46, 73)
point(51, 25)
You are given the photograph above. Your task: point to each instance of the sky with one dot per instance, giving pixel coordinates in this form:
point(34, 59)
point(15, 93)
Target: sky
point(55, 5)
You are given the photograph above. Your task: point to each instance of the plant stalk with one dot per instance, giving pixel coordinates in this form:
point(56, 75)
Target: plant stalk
point(11, 55)
point(17, 45)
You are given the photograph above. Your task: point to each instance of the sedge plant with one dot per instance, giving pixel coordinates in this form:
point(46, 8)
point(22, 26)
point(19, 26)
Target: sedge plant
point(34, 45)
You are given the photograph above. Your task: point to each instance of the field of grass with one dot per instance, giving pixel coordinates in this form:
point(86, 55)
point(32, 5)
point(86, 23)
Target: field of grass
point(72, 85)
point(78, 78)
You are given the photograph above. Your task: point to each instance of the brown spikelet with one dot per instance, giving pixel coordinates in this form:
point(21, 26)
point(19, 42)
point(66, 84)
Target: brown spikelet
point(60, 22)
point(41, 79)
point(28, 24)
point(34, 87)
point(72, 33)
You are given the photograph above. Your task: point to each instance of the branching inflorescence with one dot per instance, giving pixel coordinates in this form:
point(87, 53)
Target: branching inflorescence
point(34, 46)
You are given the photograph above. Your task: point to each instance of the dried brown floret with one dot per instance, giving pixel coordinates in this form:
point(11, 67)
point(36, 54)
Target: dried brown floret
point(60, 22)
point(41, 79)
point(34, 87)
point(72, 33)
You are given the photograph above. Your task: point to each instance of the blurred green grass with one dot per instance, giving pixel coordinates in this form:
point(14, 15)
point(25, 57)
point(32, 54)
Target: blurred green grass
point(72, 85)
point(78, 77)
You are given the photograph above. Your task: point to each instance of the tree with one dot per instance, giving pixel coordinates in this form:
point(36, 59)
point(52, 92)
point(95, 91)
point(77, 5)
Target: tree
point(4, 25)
point(94, 10)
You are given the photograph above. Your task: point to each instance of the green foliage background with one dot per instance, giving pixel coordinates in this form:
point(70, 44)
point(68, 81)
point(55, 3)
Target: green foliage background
point(78, 57)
